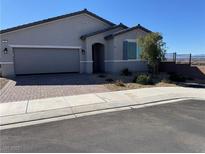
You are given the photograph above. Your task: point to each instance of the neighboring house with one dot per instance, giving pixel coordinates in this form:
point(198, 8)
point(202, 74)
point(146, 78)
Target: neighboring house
point(78, 42)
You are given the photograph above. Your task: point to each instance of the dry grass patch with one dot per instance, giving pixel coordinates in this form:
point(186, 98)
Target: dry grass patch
point(126, 82)
point(128, 86)
point(120, 83)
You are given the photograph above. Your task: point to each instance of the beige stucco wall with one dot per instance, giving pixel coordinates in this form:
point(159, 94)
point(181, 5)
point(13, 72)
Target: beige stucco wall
point(7, 70)
point(63, 32)
point(108, 47)
point(131, 65)
point(118, 41)
point(99, 38)
point(116, 63)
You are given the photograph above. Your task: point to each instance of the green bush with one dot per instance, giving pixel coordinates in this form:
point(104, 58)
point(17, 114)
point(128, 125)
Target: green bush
point(176, 77)
point(126, 72)
point(135, 79)
point(144, 79)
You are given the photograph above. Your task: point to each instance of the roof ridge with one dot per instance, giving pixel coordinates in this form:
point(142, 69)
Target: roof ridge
point(83, 37)
point(127, 30)
point(53, 19)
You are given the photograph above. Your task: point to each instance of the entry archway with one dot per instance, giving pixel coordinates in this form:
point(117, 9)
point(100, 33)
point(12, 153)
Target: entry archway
point(98, 55)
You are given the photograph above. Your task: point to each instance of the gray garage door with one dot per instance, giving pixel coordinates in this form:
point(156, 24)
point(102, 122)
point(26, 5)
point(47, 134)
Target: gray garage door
point(40, 60)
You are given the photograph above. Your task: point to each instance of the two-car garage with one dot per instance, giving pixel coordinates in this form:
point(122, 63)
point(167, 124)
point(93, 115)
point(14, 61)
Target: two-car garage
point(38, 60)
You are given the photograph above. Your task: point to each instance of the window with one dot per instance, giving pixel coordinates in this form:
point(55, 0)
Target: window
point(131, 50)
point(139, 51)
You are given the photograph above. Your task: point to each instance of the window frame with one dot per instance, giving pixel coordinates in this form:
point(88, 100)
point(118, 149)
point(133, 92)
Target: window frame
point(125, 53)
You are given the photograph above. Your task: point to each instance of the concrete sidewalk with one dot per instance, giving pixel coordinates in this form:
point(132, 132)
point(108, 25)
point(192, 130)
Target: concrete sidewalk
point(13, 114)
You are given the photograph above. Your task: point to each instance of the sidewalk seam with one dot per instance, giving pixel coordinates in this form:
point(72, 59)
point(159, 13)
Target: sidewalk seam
point(73, 112)
point(101, 98)
point(27, 106)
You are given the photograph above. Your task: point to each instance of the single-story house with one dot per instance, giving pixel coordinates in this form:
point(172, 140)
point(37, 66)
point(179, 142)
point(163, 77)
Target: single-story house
point(79, 42)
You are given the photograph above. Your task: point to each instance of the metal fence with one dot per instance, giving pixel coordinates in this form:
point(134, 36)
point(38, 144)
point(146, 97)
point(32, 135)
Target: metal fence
point(192, 59)
point(198, 59)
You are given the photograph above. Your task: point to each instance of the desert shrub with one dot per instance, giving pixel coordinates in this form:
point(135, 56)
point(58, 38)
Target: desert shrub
point(135, 79)
point(126, 72)
point(152, 49)
point(119, 83)
point(165, 81)
point(176, 77)
point(144, 79)
point(109, 80)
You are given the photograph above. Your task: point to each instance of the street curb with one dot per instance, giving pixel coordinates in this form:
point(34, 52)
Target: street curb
point(87, 113)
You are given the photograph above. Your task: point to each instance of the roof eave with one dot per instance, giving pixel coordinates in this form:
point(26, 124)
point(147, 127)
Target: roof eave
point(83, 37)
point(127, 30)
point(109, 37)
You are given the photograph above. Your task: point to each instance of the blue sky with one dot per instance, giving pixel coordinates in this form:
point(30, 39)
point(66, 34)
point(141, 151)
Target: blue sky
point(182, 22)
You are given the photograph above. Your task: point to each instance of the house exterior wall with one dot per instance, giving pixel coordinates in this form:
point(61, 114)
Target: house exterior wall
point(62, 32)
point(99, 38)
point(66, 32)
point(118, 42)
point(117, 63)
point(133, 66)
point(110, 56)
point(7, 69)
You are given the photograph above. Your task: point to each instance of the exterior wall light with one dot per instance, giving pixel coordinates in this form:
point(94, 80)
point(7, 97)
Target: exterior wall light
point(83, 52)
point(4, 41)
point(5, 51)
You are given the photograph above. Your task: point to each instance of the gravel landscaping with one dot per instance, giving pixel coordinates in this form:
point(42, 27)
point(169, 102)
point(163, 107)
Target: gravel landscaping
point(3, 82)
point(121, 82)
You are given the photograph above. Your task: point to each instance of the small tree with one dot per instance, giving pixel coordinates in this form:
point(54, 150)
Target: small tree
point(152, 49)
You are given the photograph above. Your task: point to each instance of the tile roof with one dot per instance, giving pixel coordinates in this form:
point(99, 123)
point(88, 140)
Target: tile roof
point(127, 30)
point(83, 37)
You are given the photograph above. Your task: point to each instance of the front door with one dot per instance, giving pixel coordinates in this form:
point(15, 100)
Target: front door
point(98, 58)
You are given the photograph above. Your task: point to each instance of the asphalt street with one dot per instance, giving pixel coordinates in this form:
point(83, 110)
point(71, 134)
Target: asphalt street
point(176, 127)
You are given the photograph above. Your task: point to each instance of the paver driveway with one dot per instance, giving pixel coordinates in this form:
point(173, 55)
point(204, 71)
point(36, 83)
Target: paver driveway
point(54, 85)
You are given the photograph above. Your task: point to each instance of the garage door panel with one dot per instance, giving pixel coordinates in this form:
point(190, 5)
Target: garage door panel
point(35, 61)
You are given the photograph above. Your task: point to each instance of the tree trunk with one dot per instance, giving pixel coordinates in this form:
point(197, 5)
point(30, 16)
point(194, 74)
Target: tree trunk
point(156, 68)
